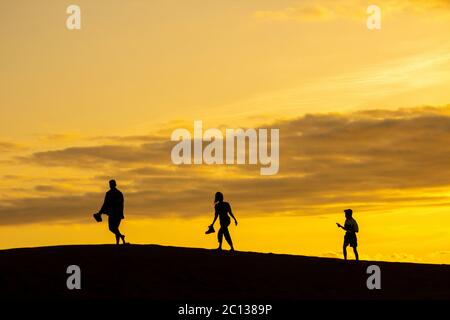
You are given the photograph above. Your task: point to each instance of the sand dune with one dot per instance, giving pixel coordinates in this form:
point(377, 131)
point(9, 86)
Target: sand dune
point(172, 273)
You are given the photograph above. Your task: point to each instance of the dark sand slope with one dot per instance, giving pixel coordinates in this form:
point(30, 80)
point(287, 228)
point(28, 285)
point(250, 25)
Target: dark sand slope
point(171, 273)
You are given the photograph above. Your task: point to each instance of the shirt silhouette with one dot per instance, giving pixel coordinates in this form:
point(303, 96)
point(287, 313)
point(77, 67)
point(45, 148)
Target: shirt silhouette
point(350, 225)
point(113, 204)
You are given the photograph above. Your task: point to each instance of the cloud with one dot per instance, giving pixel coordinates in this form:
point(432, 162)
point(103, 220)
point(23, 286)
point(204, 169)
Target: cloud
point(301, 12)
point(129, 139)
point(61, 137)
point(153, 152)
point(331, 9)
point(48, 209)
point(48, 188)
point(363, 159)
point(8, 146)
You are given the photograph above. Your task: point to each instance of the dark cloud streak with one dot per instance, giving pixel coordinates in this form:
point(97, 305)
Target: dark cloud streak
point(328, 160)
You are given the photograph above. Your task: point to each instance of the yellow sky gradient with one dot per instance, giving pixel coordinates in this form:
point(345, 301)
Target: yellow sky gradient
point(80, 107)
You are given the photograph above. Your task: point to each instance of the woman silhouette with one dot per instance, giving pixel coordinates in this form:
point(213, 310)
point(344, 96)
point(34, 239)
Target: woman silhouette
point(222, 209)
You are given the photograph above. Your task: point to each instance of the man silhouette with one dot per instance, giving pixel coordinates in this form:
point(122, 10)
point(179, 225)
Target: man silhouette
point(222, 209)
point(351, 228)
point(113, 207)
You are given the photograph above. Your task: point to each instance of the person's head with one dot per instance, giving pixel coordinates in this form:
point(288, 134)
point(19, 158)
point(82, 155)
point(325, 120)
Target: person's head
point(218, 197)
point(112, 184)
point(348, 213)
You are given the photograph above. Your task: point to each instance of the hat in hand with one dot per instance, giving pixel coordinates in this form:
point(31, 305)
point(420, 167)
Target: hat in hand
point(210, 230)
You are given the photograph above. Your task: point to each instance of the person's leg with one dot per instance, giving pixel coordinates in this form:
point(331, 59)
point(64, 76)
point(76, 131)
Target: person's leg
point(346, 243)
point(220, 237)
point(355, 250)
point(121, 236)
point(227, 235)
point(113, 225)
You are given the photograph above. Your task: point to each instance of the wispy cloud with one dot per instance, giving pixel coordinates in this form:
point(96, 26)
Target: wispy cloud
point(153, 152)
point(9, 146)
point(330, 9)
point(300, 12)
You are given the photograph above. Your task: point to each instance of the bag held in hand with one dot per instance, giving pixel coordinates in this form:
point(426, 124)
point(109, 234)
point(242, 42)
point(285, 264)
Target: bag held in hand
point(97, 217)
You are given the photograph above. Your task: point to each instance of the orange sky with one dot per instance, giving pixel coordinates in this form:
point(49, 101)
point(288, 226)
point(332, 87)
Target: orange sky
point(364, 120)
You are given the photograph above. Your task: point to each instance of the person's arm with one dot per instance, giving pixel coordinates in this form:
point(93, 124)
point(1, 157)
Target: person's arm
point(231, 214)
point(122, 201)
point(215, 218)
point(103, 208)
point(352, 228)
point(340, 226)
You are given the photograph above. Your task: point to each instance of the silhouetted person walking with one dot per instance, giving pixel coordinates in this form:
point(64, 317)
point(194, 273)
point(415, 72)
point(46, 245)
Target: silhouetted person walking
point(351, 228)
point(222, 209)
point(113, 207)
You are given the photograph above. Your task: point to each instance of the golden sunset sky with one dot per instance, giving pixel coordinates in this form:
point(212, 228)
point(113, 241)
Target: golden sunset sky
point(364, 119)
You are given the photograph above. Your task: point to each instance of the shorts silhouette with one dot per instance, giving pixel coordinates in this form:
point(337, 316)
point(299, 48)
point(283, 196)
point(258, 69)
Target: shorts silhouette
point(350, 239)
